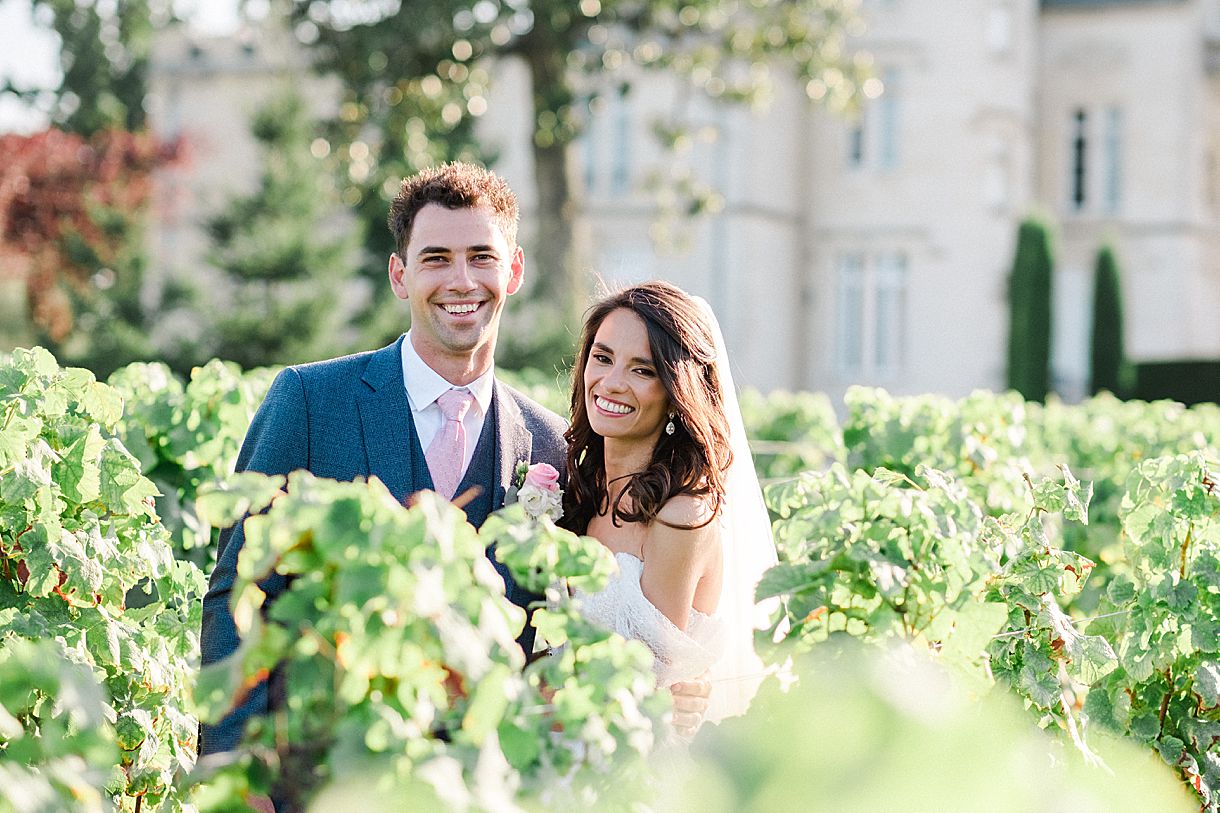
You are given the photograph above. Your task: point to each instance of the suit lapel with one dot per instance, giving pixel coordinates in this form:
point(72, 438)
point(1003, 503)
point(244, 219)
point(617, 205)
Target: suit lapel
point(385, 420)
point(514, 442)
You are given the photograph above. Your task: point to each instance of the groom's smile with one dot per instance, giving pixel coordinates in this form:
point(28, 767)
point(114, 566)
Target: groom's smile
point(463, 314)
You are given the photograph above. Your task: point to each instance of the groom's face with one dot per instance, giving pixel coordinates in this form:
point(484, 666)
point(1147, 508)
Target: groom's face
point(456, 271)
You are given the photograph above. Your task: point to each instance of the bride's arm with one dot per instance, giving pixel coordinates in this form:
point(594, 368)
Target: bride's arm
point(678, 557)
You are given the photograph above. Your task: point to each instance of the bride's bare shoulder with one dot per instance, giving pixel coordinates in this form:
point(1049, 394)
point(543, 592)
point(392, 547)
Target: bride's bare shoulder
point(687, 511)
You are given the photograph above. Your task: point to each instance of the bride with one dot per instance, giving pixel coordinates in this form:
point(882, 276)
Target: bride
point(660, 473)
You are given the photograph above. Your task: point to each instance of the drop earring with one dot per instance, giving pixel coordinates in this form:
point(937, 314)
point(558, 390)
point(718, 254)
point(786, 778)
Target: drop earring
point(669, 427)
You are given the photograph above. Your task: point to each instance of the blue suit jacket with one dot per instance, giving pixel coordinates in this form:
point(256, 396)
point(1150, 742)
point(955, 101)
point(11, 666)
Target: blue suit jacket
point(342, 419)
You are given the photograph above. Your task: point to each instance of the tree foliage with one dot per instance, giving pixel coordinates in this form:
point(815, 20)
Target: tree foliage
point(1029, 299)
point(1108, 366)
point(417, 76)
point(104, 57)
point(285, 258)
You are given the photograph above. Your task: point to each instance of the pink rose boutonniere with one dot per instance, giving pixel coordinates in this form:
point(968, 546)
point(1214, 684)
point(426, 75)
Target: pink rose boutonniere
point(537, 489)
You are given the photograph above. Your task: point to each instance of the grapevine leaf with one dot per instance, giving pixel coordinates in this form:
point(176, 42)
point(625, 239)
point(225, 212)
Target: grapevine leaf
point(1098, 708)
point(1092, 658)
point(43, 575)
point(18, 436)
point(1035, 574)
point(123, 489)
point(976, 623)
point(1139, 664)
point(1179, 596)
point(26, 478)
point(225, 684)
point(1049, 496)
point(1041, 686)
point(78, 472)
point(551, 626)
point(521, 745)
point(101, 402)
point(892, 478)
point(1205, 634)
point(1171, 749)
point(487, 705)
point(1207, 683)
point(261, 549)
point(787, 578)
point(1121, 590)
point(1076, 497)
point(1146, 726)
point(1201, 734)
point(246, 604)
point(216, 688)
point(1206, 568)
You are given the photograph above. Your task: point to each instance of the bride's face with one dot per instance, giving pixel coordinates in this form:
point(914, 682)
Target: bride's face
point(624, 396)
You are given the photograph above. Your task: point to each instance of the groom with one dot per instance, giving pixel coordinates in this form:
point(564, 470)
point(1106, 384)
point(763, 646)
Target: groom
point(425, 412)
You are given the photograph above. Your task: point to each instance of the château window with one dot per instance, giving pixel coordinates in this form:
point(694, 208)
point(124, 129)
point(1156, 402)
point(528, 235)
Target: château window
point(1114, 159)
point(607, 144)
point(887, 114)
point(1079, 152)
point(872, 304)
point(1095, 160)
point(873, 138)
point(855, 143)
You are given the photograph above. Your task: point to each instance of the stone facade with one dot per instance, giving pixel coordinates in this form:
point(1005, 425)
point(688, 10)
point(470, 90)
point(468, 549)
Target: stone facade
point(875, 249)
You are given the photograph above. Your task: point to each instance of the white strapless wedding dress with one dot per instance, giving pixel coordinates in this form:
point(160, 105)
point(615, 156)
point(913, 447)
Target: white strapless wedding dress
point(622, 607)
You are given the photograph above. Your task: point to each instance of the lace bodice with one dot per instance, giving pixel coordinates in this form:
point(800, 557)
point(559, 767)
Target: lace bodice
point(622, 606)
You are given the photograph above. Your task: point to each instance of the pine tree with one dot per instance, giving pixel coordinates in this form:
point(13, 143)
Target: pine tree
point(1029, 294)
point(287, 259)
point(1107, 358)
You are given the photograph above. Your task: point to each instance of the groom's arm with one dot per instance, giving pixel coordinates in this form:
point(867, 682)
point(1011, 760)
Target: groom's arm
point(277, 442)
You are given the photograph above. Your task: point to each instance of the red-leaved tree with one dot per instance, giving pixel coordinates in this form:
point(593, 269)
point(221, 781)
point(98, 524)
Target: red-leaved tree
point(71, 209)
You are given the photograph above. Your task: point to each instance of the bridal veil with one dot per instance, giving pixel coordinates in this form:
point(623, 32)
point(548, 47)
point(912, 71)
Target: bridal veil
point(748, 552)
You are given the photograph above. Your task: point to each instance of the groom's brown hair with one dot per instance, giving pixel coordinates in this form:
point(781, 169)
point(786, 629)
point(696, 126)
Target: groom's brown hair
point(457, 185)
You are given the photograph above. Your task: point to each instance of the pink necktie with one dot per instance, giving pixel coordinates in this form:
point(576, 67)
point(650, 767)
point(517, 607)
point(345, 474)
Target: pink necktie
point(447, 451)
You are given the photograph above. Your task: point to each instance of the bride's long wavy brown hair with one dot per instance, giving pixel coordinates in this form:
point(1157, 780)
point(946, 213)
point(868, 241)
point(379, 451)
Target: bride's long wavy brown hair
point(694, 459)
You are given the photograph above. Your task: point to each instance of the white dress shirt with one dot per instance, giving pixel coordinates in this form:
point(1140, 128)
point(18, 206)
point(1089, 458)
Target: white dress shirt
point(425, 385)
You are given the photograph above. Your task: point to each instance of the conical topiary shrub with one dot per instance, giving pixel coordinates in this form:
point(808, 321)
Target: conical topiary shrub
point(1107, 359)
point(1029, 295)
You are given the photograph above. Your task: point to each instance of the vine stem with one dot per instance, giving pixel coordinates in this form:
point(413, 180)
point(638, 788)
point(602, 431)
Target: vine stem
point(1034, 509)
point(1185, 549)
point(1165, 701)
